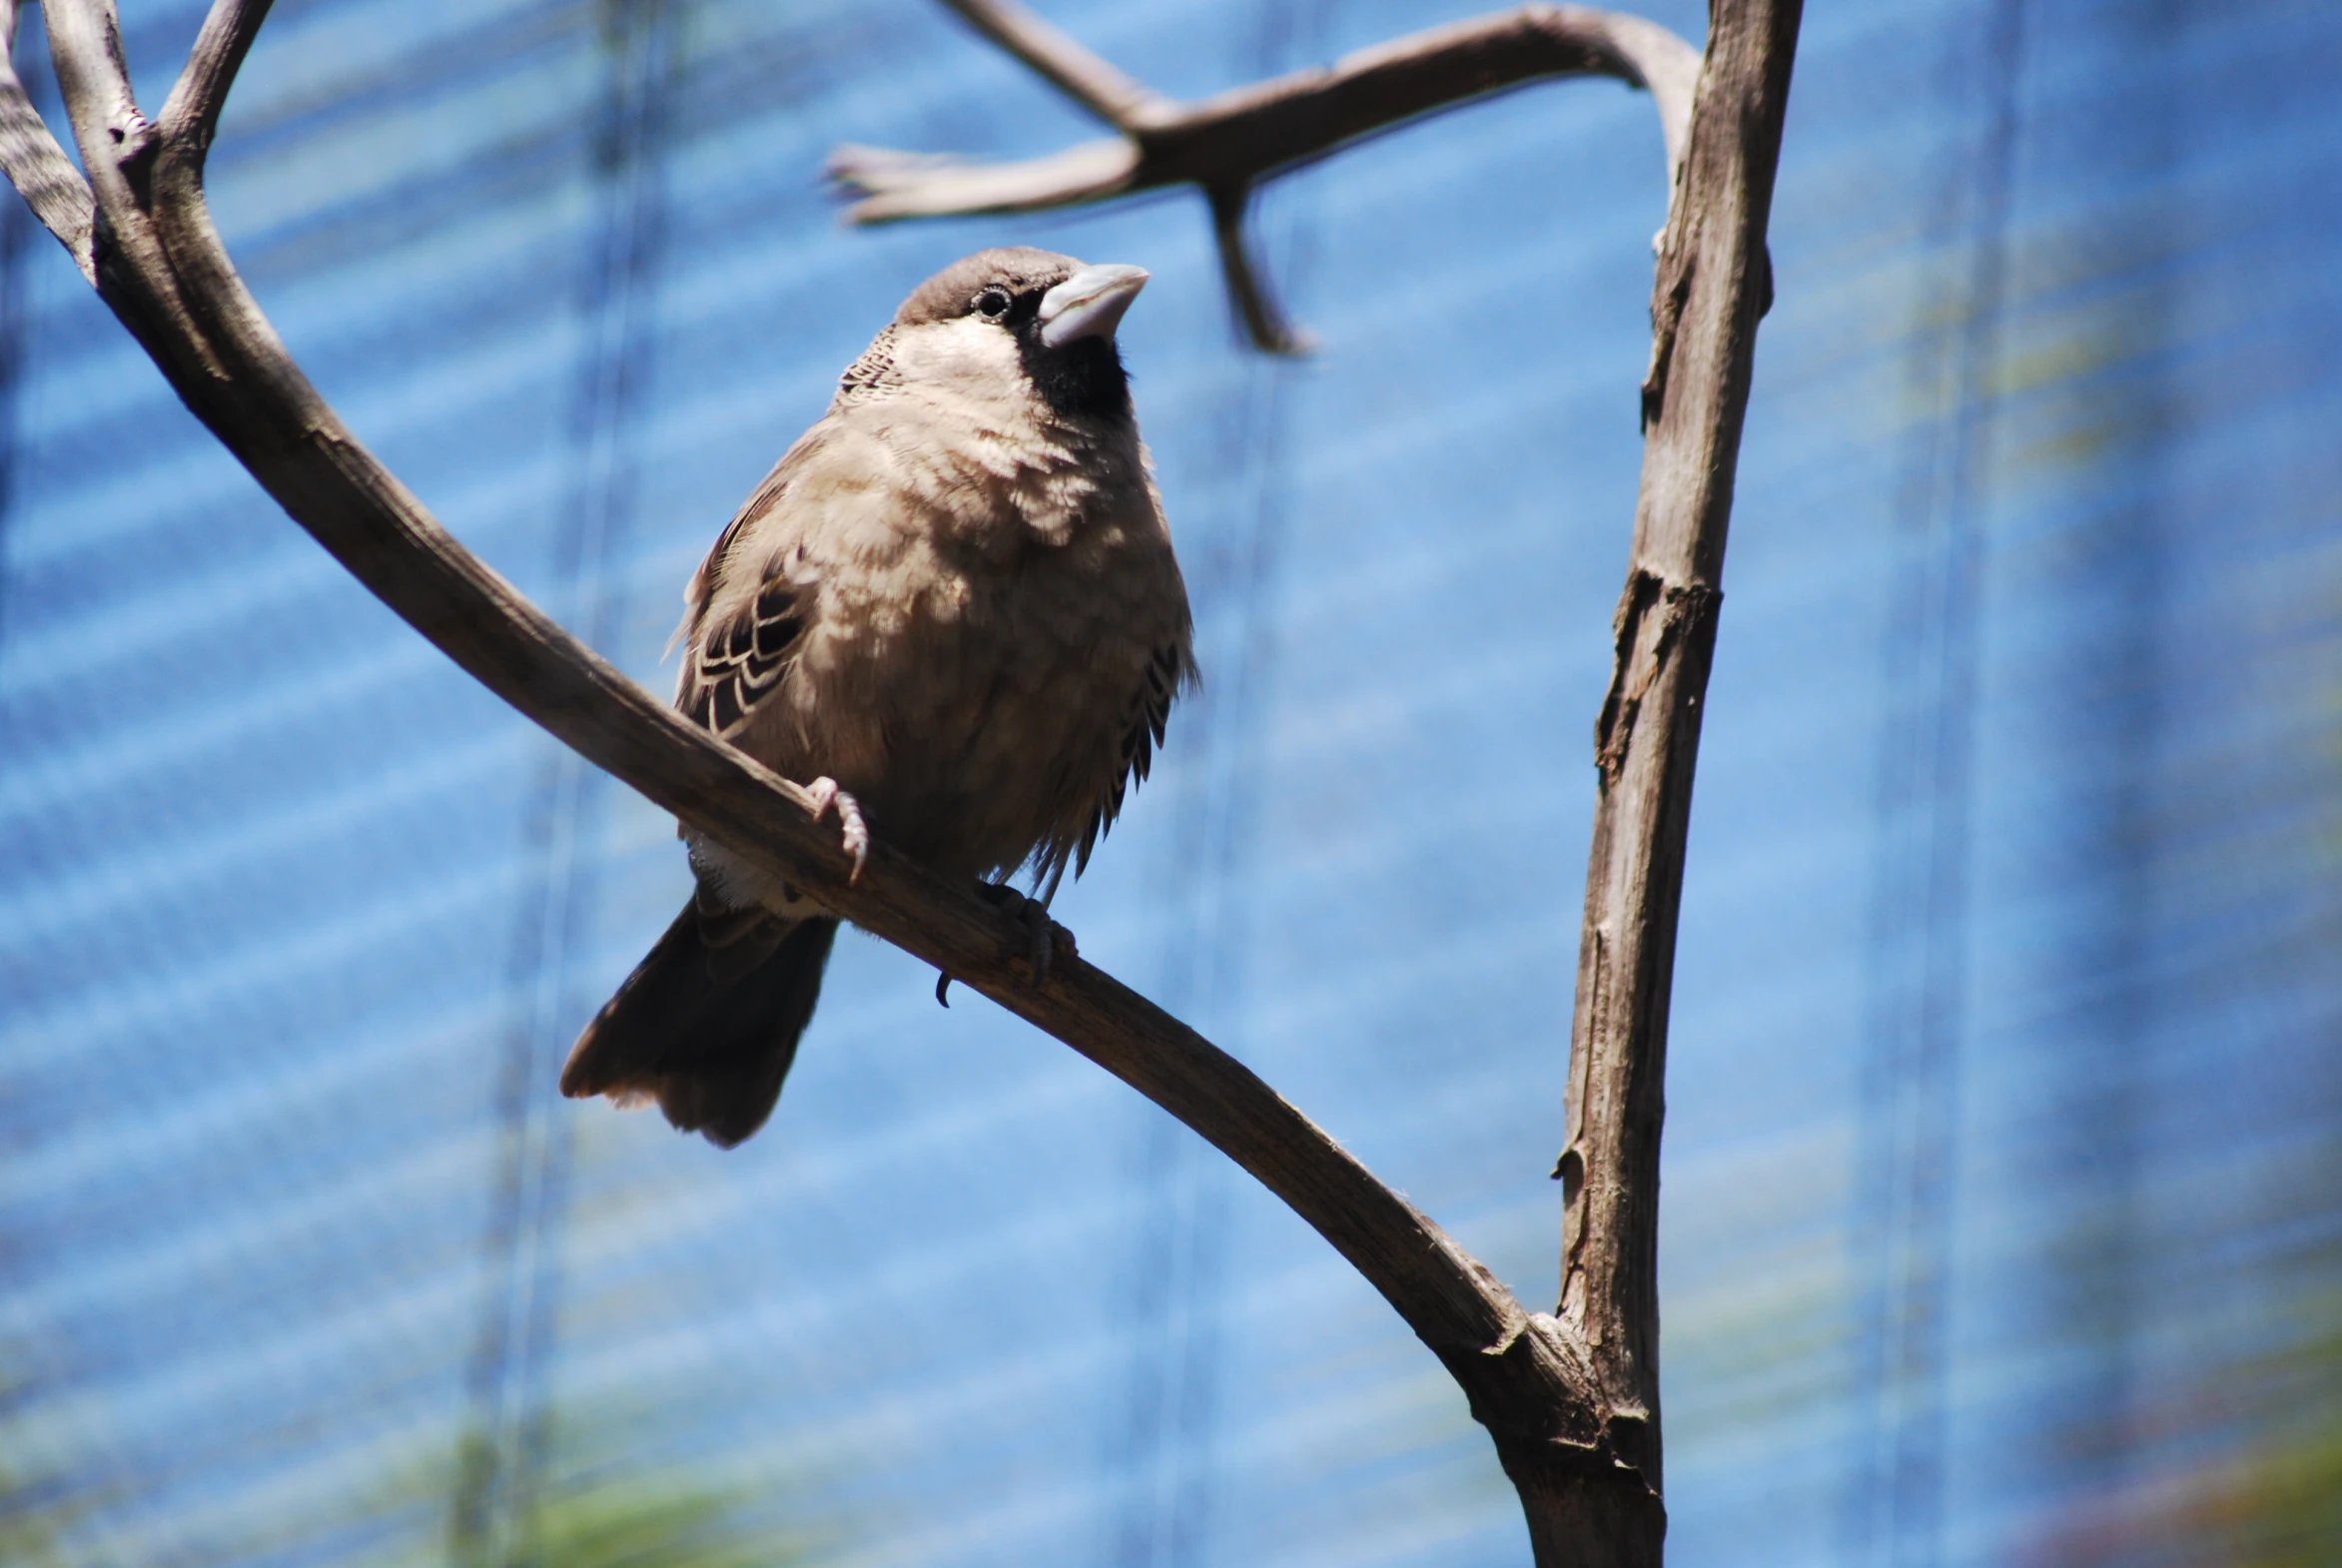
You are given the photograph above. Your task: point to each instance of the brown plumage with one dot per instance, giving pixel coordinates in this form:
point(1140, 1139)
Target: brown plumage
point(956, 597)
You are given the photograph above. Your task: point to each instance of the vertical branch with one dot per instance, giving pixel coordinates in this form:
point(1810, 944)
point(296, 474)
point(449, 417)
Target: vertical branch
point(1256, 308)
point(1710, 289)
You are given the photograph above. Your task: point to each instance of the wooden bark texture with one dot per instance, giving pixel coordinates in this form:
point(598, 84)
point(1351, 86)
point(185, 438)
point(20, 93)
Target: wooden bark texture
point(1711, 285)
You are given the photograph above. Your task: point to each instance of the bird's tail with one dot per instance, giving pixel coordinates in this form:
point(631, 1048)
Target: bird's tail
point(708, 1023)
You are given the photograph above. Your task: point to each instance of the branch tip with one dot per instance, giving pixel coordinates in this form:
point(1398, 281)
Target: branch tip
point(1057, 59)
point(1263, 322)
point(191, 116)
point(895, 185)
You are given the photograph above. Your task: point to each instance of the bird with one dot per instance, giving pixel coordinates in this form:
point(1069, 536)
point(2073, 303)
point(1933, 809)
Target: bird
point(954, 607)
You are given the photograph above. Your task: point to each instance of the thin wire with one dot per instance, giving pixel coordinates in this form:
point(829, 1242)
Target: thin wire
point(2112, 711)
point(1164, 1448)
point(1919, 912)
point(493, 1512)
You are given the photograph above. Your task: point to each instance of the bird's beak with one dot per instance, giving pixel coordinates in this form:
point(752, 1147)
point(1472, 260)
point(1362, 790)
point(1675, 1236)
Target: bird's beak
point(1090, 303)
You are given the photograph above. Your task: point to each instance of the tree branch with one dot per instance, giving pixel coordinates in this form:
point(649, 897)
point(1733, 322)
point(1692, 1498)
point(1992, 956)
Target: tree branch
point(85, 41)
point(191, 113)
point(37, 165)
point(928, 185)
point(163, 270)
point(1711, 285)
point(1256, 308)
point(1063, 63)
point(1231, 142)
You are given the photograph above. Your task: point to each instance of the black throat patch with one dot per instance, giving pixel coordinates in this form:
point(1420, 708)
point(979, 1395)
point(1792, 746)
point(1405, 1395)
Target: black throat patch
point(1082, 380)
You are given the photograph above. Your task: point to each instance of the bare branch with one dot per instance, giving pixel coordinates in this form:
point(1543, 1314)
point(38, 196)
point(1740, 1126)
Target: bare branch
point(192, 114)
point(1062, 63)
point(124, 153)
point(928, 185)
point(1238, 138)
point(1711, 289)
point(1256, 310)
point(37, 165)
point(84, 40)
point(1231, 142)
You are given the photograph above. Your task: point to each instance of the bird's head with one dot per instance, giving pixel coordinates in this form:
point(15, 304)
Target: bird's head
point(1022, 317)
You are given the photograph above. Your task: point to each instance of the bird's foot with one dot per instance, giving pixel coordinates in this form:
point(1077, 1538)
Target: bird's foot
point(853, 832)
point(1042, 933)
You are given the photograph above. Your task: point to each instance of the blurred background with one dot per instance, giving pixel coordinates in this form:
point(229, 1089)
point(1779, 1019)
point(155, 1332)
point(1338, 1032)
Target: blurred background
point(2003, 1182)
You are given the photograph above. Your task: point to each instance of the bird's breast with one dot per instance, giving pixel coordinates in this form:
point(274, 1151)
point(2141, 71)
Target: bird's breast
point(972, 697)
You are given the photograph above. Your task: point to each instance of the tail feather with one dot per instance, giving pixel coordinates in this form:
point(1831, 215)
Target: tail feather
point(708, 1023)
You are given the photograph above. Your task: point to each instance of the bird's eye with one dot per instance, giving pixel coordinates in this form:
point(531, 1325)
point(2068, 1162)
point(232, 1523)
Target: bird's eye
point(993, 302)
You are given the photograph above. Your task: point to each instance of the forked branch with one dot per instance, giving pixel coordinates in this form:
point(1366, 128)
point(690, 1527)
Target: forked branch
point(1227, 144)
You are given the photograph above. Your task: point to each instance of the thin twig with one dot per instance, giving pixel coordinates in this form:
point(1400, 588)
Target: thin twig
point(191, 113)
point(1244, 136)
point(1062, 63)
point(1256, 310)
point(927, 185)
point(1231, 142)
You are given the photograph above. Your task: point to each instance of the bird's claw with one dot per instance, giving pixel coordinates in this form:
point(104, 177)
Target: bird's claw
point(1041, 933)
point(853, 832)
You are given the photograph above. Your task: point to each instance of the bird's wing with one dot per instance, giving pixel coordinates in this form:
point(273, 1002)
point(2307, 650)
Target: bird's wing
point(737, 660)
point(737, 644)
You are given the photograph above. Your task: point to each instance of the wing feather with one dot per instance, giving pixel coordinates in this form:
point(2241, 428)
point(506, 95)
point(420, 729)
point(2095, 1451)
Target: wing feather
point(737, 663)
point(735, 659)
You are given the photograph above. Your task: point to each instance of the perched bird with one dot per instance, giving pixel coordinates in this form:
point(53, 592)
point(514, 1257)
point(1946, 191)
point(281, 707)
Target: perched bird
point(954, 607)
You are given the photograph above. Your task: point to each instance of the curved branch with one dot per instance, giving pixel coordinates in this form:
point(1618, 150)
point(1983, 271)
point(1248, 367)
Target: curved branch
point(1244, 136)
point(1063, 63)
point(173, 284)
point(1235, 140)
point(1297, 118)
point(191, 113)
point(37, 165)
